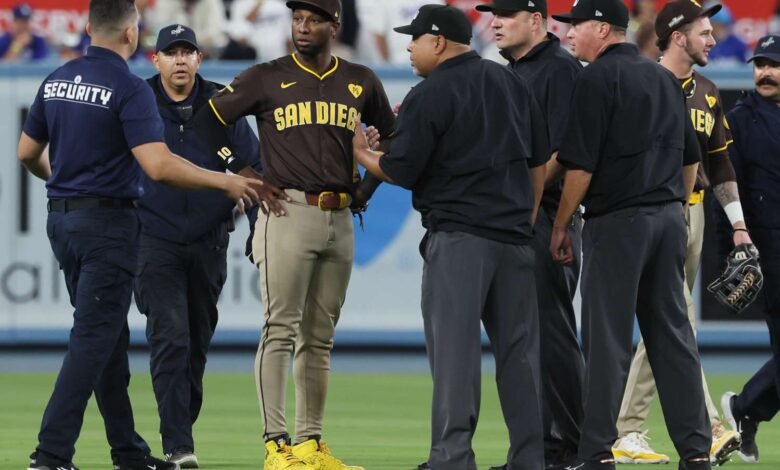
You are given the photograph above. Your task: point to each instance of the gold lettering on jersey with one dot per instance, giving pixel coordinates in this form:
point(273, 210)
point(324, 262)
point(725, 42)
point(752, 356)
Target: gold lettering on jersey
point(356, 90)
point(323, 113)
point(702, 121)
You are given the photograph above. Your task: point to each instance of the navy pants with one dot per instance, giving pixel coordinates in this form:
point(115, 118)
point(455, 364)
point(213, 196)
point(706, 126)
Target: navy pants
point(760, 397)
point(177, 288)
point(97, 250)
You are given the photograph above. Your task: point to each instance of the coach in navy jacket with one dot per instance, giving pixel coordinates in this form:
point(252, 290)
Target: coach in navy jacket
point(182, 263)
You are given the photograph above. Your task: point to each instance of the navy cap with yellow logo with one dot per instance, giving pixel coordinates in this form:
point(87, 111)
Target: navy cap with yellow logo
point(440, 20)
point(331, 9)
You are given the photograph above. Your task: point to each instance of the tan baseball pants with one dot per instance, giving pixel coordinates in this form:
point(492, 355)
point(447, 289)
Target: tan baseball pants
point(305, 261)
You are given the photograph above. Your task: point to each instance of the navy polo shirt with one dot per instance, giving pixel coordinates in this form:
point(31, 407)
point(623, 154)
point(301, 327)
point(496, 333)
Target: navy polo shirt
point(466, 138)
point(550, 70)
point(631, 130)
point(92, 111)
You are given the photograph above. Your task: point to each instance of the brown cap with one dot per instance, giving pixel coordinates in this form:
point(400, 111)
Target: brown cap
point(677, 14)
point(331, 9)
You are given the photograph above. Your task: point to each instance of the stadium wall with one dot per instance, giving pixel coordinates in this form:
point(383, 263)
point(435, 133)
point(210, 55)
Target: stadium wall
point(383, 302)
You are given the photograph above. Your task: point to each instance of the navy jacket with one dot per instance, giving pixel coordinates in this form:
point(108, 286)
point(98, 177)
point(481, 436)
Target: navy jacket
point(755, 153)
point(184, 216)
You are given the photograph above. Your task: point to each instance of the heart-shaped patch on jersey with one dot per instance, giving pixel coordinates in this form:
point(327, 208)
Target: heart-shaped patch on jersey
point(356, 90)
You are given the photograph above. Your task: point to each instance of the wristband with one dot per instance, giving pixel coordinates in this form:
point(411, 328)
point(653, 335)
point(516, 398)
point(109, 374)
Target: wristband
point(740, 229)
point(734, 212)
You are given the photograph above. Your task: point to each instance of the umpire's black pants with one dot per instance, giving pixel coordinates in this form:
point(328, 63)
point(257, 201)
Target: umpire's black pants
point(177, 288)
point(633, 262)
point(97, 250)
point(466, 279)
point(563, 367)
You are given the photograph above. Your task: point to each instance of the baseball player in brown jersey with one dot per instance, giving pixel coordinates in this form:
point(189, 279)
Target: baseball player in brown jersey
point(685, 37)
point(307, 105)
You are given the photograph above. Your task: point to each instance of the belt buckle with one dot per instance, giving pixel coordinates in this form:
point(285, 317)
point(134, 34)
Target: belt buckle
point(320, 200)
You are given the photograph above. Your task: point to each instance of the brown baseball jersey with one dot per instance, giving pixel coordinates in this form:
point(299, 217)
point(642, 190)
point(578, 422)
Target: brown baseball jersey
point(706, 110)
point(307, 120)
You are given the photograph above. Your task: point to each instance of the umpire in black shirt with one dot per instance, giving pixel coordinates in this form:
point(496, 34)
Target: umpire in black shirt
point(520, 31)
point(471, 143)
point(631, 157)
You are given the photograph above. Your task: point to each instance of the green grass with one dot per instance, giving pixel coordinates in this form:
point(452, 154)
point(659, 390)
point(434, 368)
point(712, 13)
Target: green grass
point(379, 421)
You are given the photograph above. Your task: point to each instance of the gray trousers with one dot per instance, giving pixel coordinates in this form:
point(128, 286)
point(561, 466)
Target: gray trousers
point(563, 366)
point(633, 262)
point(467, 279)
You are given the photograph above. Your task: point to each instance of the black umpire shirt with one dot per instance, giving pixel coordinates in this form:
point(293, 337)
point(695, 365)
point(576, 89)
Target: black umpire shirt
point(550, 71)
point(465, 139)
point(631, 130)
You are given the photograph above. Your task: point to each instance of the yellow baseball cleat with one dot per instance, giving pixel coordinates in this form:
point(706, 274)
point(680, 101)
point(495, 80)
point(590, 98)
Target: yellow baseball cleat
point(634, 448)
point(317, 456)
point(279, 456)
point(724, 443)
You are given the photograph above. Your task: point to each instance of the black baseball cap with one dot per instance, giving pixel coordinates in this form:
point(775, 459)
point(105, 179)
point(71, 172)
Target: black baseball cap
point(174, 34)
point(331, 9)
point(675, 15)
point(441, 20)
point(613, 12)
point(767, 47)
point(515, 5)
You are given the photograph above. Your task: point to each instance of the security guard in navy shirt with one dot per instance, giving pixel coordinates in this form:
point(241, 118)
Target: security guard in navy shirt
point(182, 261)
point(631, 156)
point(471, 144)
point(520, 31)
point(96, 116)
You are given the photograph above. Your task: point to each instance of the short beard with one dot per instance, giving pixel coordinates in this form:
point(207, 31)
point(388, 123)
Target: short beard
point(699, 59)
point(312, 50)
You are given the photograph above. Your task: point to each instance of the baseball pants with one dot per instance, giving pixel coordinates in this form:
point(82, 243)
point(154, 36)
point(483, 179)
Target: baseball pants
point(640, 387)
point(97, 251)
point(468, 279)
point(563, 366)
point(305, 261)
point(634, 261)
point(177, 287)
point(760, 397)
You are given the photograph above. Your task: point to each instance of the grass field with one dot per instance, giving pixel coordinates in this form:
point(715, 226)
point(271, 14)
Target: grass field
point(378, 421)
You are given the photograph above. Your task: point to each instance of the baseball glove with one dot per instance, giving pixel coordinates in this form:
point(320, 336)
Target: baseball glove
point(741, 280)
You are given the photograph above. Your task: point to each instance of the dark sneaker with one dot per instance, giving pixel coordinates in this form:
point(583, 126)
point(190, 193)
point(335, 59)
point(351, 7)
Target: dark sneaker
point(43, 461)
point(500, 467)
point(748, 450)
point(146, 463)
point(184, 457)
point(424, 466)
point(701, 463)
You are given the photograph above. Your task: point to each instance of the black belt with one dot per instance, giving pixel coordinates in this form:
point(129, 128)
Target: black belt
point(67, 205)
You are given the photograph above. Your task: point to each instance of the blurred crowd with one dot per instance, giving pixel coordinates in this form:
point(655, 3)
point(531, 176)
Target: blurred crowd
point(259, 30)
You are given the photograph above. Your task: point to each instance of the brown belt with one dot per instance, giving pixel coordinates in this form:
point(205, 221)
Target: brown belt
point(329, 200)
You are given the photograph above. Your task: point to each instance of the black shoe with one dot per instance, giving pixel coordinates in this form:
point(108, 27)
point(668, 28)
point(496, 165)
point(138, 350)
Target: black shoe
point(701, 463)
point(501, 467)
point(145, 463)
point(744, 425)
point(44, 461)
point(186, 458)
point(424, 466)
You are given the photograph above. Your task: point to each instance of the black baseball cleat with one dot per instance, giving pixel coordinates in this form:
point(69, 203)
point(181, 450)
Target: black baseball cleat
point(44, 461)
point(424, 466)
point(146, 463)
point(747, 427)
point(500, 467)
